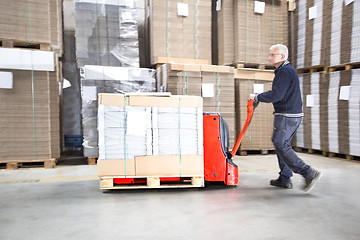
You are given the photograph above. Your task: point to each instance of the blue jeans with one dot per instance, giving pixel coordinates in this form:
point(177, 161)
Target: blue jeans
point(284, 130)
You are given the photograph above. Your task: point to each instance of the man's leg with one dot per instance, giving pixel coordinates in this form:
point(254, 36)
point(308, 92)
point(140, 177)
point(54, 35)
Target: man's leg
point(285, 172)
point(284, 130)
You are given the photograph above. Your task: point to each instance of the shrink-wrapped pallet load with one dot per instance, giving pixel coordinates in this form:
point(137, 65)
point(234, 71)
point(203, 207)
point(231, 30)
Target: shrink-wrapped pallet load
point(106, 33)
point(99, 79)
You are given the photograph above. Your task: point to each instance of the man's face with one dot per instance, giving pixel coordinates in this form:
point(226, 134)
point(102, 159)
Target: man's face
point(275, 57)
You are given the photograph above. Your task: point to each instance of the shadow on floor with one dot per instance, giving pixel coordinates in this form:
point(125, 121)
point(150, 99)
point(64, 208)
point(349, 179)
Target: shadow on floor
point(72, 157)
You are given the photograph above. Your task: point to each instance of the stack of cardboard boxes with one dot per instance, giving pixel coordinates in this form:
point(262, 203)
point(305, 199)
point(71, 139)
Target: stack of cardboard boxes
point(150, 135)
point(258, 134)
point(329, 39)
point(246, 30)
point(34, 22)
point(30, 110)
point(29, 89)
point(180, 29)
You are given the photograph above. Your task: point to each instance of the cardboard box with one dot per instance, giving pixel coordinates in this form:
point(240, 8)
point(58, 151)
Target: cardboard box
point(170, 165)
point(150, 101)
point(116, 167)
point(20, 137)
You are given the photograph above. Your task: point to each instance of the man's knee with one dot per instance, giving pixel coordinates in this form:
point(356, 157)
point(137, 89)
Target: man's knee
point(278, 144)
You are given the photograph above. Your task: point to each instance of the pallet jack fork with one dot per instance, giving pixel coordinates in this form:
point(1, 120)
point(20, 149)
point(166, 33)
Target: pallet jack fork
point(218, 163)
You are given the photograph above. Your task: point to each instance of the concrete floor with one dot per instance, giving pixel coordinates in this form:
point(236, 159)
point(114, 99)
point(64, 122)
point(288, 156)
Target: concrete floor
point(66, 203)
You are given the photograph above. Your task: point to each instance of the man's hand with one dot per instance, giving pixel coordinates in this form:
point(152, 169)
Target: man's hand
point(254, 97)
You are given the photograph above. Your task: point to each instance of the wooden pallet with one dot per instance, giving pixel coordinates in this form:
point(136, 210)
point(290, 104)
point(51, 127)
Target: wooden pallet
point(326, 153)
point(163, 60)
point(259, 66)
point(15, 164)
point(91, 161)
point(10, 43)
point(313, 69)
point(345, 67)
point(153, 182)
point(328, 69)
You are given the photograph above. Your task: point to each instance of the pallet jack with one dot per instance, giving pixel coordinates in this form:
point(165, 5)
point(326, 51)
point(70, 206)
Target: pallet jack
point(218, 164)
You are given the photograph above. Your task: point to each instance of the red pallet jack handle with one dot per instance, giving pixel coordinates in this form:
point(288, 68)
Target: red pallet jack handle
point(250, 112)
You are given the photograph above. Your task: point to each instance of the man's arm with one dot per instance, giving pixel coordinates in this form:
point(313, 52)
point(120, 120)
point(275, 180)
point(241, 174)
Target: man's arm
point(280, 86)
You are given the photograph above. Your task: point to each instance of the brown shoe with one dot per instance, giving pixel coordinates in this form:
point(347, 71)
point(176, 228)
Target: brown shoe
point(279, 183)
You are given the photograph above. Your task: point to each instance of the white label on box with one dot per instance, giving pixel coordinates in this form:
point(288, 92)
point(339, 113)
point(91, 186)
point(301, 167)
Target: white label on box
point(312, 12)
point(6, 80)
point(208, 90)
point(92, 72)
point(347, 2)
point(258, 88)
point(218, 5)
point(183, 9)
point(136, 123)
point(259, 7)
point(126, 16)
point(89, 93)
point(344, 92)
point(309, 100)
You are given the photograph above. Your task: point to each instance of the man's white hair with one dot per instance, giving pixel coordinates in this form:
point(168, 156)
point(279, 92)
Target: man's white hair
point(282, 49)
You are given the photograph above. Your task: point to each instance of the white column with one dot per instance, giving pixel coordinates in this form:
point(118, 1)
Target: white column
point(334, 83)
point(335, 41)
point(315, 111)
point(354, 114)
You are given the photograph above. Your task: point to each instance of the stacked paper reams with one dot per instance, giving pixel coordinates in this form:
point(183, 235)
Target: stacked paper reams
point(32, 22)
point(176, 131)
point(258, 135)
point(181, 29)
point(146, 135)
point(331, 107)
point(124, 132)
point(106, 33)
point(225, 36)
point(256, 25)
point(181, 79)
point(217, 83)
point(327, 34)
point(99, 79)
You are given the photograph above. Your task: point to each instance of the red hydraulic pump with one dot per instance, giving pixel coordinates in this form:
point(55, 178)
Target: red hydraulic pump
point(218, 164)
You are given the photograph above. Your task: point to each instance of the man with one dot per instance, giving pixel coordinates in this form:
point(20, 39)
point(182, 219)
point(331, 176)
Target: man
point(286, 98)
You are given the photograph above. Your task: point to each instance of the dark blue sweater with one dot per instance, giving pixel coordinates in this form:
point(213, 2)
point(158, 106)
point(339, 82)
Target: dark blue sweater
point(285, 93)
